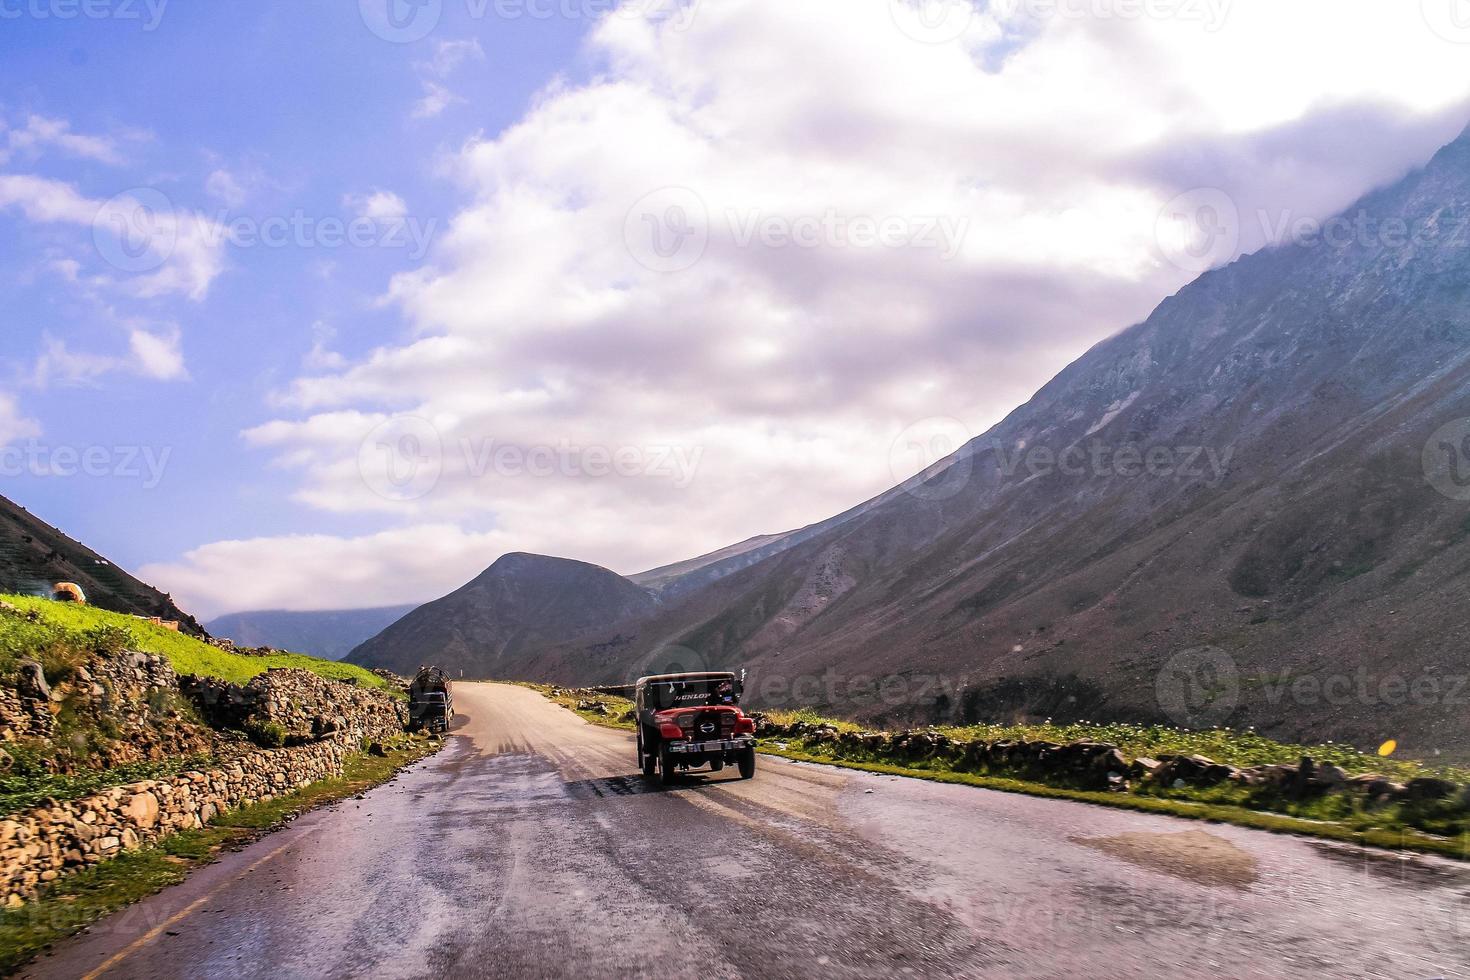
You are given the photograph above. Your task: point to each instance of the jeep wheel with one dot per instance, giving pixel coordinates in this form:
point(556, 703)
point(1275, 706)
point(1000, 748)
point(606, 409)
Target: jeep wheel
point(667, 766)
point(715, 765)
point(647, 761)
point(747, 763)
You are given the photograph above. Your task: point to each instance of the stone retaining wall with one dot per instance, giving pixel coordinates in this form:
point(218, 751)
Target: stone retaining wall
point(42, 844)
point(300, 705)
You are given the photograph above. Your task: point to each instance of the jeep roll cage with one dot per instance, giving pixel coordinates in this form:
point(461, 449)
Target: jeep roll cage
point(661, 692)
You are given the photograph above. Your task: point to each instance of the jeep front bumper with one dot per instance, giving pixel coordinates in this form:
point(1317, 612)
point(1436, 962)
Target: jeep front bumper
point(718, 745)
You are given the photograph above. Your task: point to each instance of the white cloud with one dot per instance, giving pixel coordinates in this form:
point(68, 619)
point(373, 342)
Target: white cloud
point(1053, 144)
point(151, 354)
point(157, 355)
point(317, 571)
point(13, 425)
point(139, 242)
point(40, 132)
point(436, 98)
point(225, 187)
point(448, 56)
point(379, 205)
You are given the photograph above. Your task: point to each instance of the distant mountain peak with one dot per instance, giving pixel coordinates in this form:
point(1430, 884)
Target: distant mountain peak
point(522, 601)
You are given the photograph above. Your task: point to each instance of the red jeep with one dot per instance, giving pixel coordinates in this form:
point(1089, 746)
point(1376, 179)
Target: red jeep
point(689, 720)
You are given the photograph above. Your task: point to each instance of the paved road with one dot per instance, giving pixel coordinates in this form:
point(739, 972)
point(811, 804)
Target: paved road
point(529, 848)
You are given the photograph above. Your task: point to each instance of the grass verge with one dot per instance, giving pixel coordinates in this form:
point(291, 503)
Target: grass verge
point(77, 900)
point(621, 709)
point(24, 790)
point(1335, 818)
point(62, 634)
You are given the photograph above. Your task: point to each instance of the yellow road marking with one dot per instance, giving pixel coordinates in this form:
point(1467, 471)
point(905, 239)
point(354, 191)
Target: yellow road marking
point(152, 934)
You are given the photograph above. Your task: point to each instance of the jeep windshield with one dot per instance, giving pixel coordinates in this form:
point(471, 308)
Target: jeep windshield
point(703, 692)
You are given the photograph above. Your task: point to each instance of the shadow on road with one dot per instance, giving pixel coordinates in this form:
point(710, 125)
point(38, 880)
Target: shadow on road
point(636, 785)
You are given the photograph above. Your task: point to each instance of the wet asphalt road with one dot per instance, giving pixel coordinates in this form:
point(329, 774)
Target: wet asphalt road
point(529, 848)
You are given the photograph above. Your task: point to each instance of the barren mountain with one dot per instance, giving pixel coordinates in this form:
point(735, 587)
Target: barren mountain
point(1262, 467)
point(330, 634)
point(34, 556)
point(516, 607)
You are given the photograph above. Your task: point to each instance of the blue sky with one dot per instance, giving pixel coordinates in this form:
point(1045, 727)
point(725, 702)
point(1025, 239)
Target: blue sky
point(303, 105)
point(629, 283)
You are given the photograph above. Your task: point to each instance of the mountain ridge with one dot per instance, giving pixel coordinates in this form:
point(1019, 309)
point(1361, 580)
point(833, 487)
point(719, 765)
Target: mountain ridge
point(521, 602)
point(329, 633)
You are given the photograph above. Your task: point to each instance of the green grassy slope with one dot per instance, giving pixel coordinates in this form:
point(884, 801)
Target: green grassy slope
point(65, 631)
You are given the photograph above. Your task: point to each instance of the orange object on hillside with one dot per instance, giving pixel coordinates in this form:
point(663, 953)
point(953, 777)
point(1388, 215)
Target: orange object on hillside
point(68, 592)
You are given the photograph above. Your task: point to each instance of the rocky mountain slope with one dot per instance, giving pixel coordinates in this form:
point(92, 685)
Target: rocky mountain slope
point(1263, 468)
point(34, 556)
point(516, 607)
point(330, 634)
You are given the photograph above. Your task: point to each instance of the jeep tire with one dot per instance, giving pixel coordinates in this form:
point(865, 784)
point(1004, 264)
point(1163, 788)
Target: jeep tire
point(747, 762)
point(667, 766)
point(647, 760)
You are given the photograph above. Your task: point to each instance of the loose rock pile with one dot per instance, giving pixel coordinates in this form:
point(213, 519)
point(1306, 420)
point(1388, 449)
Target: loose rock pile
point(395, 681)
point(301, 705)
point(22, 716)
